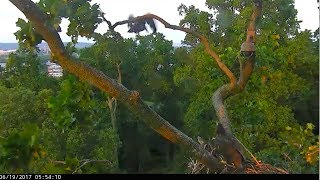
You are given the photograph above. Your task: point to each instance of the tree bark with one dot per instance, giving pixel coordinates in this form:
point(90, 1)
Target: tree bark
point(130, 98)
point(227, 90)
point(235, 86)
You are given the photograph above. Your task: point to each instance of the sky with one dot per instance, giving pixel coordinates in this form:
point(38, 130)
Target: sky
point(117, 10)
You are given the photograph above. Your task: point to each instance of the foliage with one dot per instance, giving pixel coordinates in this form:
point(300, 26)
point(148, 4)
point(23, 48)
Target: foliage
point(84, 18)
point(27, 69)
point(63, 125)
point(19, 148)
point(20, 117)
point(276, 90)
point(298, 150)
point(81, 122)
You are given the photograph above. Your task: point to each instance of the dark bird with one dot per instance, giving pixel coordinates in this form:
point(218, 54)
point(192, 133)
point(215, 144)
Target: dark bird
point(140, 25)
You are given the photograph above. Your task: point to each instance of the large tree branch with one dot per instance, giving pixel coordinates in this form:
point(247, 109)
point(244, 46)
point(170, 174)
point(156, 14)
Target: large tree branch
point(203, 40)
point(245, 72)
point(225, 91)
point(130, 98)
point(218, 103)
point(247, 69)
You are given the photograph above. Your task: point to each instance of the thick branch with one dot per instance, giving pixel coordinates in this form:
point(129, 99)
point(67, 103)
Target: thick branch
point(130, 98)
point(248, 66)
point(246, 71)
point(251, 30)
point(218, 102)
point(204, 41)
point(225, 91)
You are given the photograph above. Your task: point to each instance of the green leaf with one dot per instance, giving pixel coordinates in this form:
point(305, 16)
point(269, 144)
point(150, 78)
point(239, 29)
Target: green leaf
point(310, 126)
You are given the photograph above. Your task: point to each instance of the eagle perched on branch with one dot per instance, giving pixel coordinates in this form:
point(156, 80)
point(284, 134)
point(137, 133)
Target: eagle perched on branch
point(140, 25)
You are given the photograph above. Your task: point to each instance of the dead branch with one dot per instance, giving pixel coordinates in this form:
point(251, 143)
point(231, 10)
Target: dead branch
point(130, 98)
point(203, 40)
point(225, 91)
point(87, 161)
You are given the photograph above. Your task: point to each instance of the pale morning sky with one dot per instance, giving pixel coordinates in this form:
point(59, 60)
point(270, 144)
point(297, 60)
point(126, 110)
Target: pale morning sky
point(117, 10)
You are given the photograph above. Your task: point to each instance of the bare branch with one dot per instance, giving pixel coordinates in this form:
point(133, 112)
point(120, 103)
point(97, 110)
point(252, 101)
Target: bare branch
point(251, 30)
point(107, 21)
point(130, 98)
point(87, 161)
point(119, 72)
point(221, 94)
point(225, 91)
point(203, 40)
point(112, 102)
point(58, 162)
point(218, 103)
point(247, 69)
point(83, 161)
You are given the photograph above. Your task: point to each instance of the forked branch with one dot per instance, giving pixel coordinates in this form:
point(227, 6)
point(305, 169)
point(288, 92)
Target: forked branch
point(130, 98)
point(203, 40)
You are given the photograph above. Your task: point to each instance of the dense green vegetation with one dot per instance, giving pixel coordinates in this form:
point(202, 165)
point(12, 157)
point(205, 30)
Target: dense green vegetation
point(51, 125)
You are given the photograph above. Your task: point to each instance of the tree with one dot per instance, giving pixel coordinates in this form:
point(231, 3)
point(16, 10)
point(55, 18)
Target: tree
point(45, 27)
point(262, 113)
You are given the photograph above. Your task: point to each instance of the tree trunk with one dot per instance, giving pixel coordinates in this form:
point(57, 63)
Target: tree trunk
point(130, 98)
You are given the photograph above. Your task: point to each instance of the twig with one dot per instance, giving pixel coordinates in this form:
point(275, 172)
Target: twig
point(107, 21)
point(90, 161)
point(252, 156)
point(57, 162)
point(286, 156)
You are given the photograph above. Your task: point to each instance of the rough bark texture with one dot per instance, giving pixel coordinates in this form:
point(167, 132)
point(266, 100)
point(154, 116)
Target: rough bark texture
point(227, 90)
point(130, 98)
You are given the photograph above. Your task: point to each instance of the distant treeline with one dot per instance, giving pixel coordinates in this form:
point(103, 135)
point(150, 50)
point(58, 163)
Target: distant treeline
point(43, 45)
